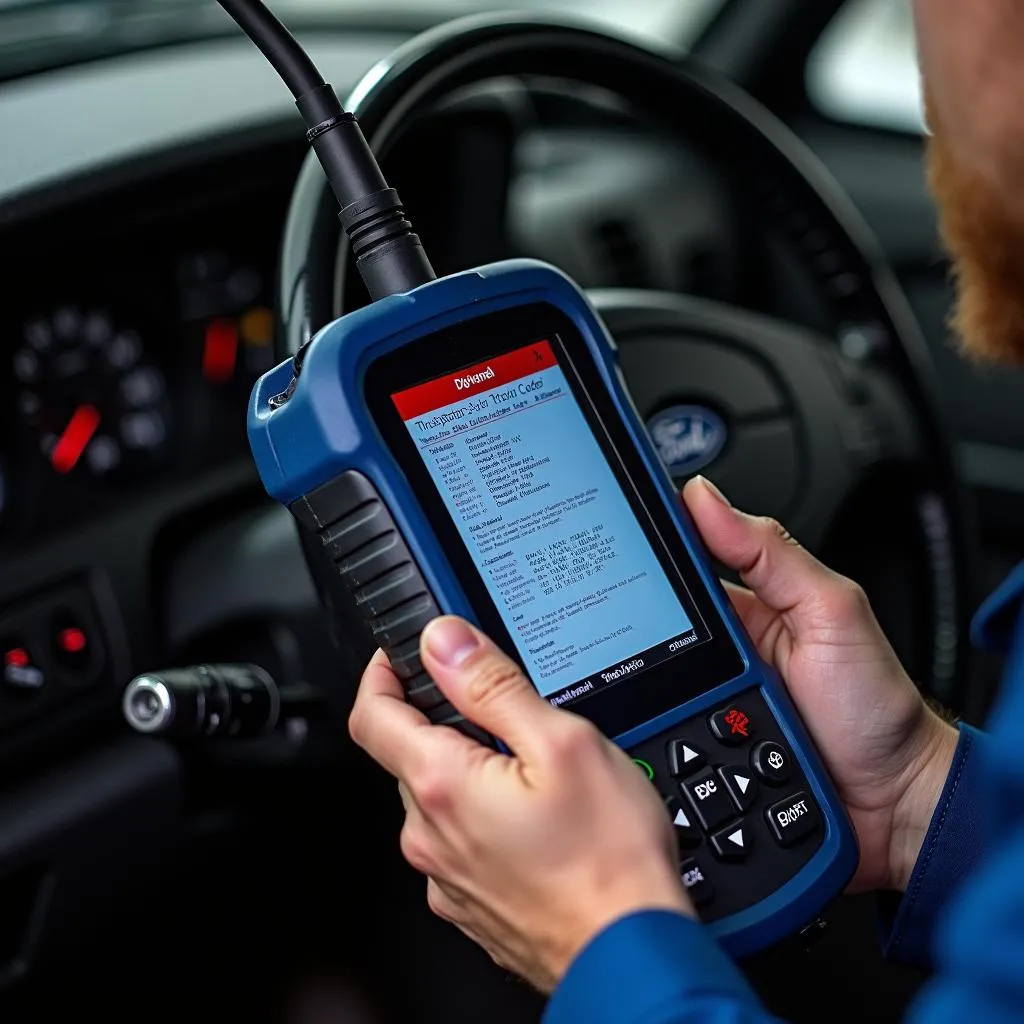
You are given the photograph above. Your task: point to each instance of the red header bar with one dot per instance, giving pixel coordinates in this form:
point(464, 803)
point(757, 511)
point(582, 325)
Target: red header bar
point(453, 387)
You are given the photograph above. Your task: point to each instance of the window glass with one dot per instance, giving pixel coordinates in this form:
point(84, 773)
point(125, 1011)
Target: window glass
point(864, 69)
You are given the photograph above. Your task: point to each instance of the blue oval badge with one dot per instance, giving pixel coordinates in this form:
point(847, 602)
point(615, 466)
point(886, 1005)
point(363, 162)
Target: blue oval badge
point(687, 437)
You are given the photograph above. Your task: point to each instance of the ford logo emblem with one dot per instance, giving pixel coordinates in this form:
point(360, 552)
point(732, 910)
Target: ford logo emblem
point(687, 437)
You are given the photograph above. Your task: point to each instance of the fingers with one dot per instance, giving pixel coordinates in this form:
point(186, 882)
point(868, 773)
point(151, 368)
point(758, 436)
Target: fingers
point(392, 732)
point(485, 685)
point(769, 561)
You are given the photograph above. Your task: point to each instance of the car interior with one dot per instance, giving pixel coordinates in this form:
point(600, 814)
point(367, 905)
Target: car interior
point(739, 186)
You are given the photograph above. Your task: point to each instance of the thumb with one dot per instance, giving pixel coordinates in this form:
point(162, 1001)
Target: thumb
point(779, 571)
point(484, 684)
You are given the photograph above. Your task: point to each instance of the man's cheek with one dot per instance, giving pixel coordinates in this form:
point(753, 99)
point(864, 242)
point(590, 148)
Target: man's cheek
point(971, 55)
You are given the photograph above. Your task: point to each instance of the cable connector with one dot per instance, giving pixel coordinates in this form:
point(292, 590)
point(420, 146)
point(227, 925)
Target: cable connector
point(388, 253)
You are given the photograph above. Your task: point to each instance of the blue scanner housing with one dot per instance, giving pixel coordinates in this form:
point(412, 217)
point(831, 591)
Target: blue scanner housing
point(325, 430)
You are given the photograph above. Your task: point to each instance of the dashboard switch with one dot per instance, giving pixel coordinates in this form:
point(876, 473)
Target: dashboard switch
point(72, 648)
point(71, 640)
point(20, 671)
point(53, 653)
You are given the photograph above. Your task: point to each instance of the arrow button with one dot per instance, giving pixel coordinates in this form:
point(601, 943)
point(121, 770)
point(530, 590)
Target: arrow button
point(732, 842)
point(682, 819)
point(684, 758)
point(742, 785)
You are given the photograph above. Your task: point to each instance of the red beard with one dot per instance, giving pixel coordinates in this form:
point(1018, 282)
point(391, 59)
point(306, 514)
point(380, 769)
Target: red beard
point(986, 243)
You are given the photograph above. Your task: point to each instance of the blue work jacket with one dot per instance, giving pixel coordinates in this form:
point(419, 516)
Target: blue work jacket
point(963, 910)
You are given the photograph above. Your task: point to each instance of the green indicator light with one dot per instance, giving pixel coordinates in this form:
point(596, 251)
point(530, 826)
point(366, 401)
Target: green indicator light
point(644, 767)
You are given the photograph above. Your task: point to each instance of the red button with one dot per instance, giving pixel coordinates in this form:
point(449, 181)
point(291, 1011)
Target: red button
point(73, 646)
point(732, 725)
point(71, 640)
point(16, 657)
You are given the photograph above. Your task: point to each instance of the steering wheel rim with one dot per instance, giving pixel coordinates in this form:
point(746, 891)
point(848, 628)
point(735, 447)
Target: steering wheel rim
point(687, 100)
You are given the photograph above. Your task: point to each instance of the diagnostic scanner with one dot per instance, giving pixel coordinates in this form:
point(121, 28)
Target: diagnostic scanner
point(467, 445)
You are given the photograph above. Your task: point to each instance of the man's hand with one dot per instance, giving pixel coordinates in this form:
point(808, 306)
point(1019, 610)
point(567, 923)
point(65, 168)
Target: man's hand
point(534, 854)
point(530, 855)
point(888, 753)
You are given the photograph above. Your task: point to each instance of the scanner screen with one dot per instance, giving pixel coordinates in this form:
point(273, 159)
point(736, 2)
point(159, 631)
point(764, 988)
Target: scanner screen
point(548, 522)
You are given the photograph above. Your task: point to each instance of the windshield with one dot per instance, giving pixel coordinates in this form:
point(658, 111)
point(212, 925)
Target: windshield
point(37, 33)
point(675, 21)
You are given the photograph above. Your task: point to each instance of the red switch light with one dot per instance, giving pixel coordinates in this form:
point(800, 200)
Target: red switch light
point(71, 640)
point(220, 350)
point(16, 657)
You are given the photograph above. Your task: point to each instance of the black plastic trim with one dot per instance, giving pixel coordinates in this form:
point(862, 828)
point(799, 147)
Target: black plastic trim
point(366, 551)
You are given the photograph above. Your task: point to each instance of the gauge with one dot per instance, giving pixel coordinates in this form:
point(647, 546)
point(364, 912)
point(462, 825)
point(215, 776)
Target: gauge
point(93, 403)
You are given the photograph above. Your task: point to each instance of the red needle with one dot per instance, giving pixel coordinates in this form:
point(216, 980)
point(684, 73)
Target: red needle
point(77, 434)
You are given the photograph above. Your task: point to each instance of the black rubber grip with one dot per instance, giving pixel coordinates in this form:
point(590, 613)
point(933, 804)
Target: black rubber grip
point(367, 551)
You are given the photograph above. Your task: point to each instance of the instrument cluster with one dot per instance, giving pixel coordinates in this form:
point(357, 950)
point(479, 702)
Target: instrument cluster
point(124, 377)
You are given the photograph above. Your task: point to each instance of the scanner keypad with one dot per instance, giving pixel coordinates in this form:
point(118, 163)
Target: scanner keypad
point(744, 817)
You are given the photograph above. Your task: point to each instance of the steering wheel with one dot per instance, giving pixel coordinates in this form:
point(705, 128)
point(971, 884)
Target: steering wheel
point(814, 421)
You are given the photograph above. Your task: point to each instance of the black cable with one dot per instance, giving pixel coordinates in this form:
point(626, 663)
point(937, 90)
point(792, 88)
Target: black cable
point(389, 255)
point(276, 43)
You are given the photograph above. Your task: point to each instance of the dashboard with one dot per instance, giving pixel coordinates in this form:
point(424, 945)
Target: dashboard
point(135, 327)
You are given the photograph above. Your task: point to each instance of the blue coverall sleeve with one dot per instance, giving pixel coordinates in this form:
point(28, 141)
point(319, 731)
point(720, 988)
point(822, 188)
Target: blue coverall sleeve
point(980, 939)
point(654, 967)
point(950, 853)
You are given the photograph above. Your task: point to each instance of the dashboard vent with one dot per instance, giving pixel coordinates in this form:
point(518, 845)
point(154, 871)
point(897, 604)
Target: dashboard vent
point(621, 254)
